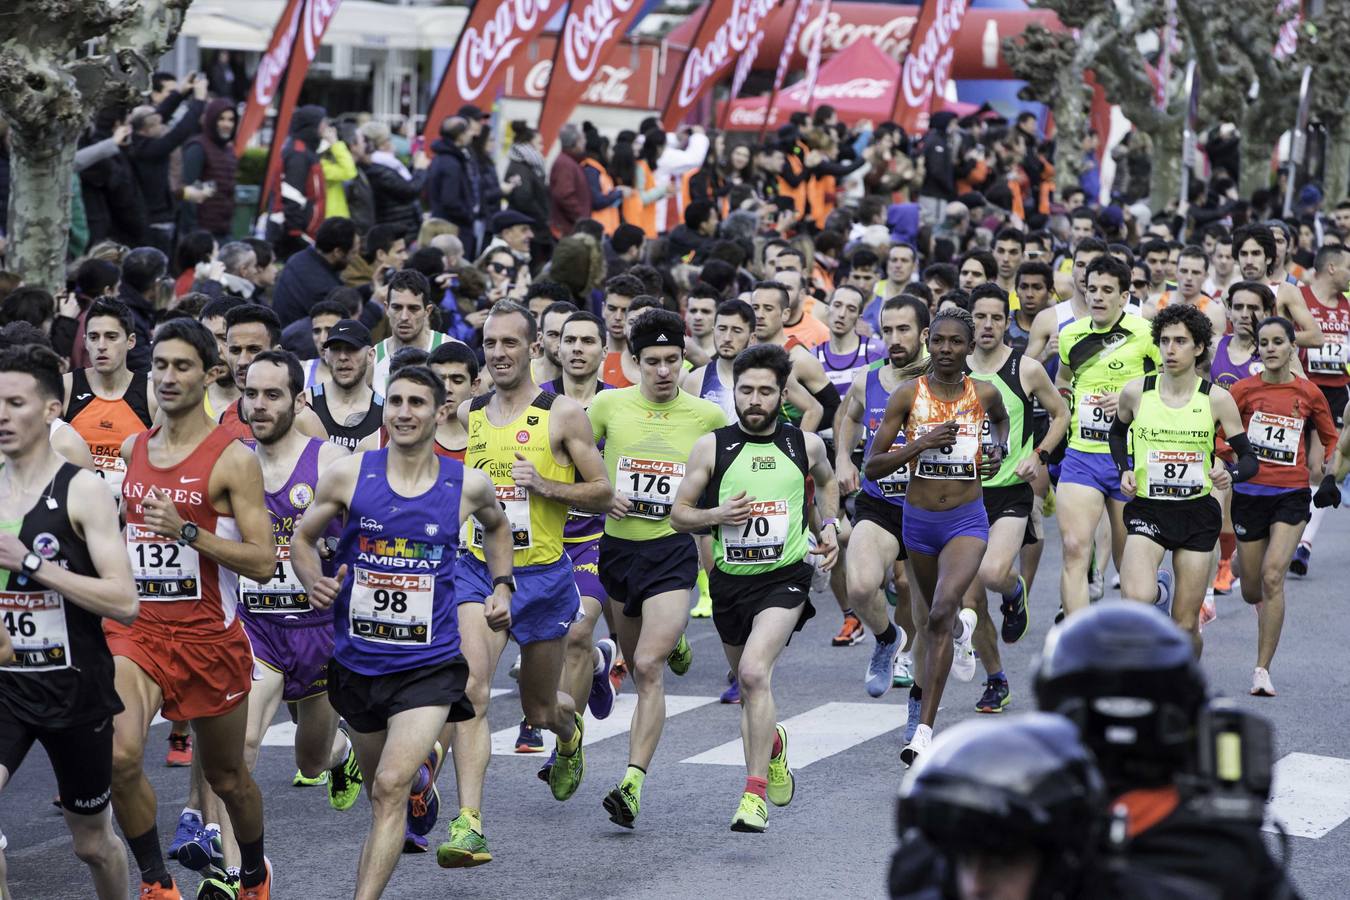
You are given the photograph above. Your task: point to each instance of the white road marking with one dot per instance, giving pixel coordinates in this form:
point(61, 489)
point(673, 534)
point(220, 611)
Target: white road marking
point(1311, 794)
point(504, 741)
point(282, 734)
point(819, 733)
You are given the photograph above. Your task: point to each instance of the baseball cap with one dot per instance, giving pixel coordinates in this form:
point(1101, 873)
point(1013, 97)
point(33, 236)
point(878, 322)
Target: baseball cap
point(349, 332)
point(469, 111)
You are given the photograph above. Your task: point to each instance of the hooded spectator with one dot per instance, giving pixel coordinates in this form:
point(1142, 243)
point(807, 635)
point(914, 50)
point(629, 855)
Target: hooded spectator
point(454, 184)
point(300, 211)
point(209, 163)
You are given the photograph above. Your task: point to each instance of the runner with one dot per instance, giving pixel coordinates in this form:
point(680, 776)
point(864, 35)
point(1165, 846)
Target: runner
point(756, 471)
point(348, 408)
point(733, 328)
point(323, 318)
point(645, 565)
point(845, 353)
point(533, 445)
point(1271, 509)
point(195, 515)
point(1192, 265)
point(409, 313)
point(397, 673)
point(1255, 247)
point(770, 301)
point(1009, 246)
point(1034, 281)
point(700, 314)
point(901, 261)
point(548, 366)
point(457, 367)
point(945, 526)
point(619, 370)
point(221, 392)
point(249, 330)
point(1223, 270)
point(62, 570)
point(1008, 496)
point(1171, 420)
point(107, 402)
point(800, 326)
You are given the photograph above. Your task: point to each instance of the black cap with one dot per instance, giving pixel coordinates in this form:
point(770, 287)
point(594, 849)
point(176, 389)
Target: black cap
point(351, 333)
point(508, 217)
point(469, 111)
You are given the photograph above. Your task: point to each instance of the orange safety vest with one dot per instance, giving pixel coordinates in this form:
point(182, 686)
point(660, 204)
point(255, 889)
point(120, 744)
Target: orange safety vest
point(609, 216)
point(798, 193)
point(820, 195)
point(683, 198)
point(635, 212)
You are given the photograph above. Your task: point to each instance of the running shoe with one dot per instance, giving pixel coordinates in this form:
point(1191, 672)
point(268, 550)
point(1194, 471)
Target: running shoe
point(1302, 556)
point(681, 658)
point(733, 692)
point(1096, 586)
point(1261, 684)
point(345, 784)
point(413, 842)
point(1059, 616)
point(424, 801)
point(852, 632)
point(188, 826)
point(1223, 579)
point(703, 605)
point(299, 779)
point(618, 673)
point(180, 751)
point(622, 804)
point(752, 816)
point(1208, 610)
point(782, 782)
point(1164, 601)
point(514, 671)
point(203, 850)
point(219, 886)
point(530, 739)
point(1014, 609)
point(565, 776)
point(918, 746)
point(903, 674)
point(466, 847)
point(601, 701)
point(996, 696)
point(963, 651)
point(542, 774)
point(881, 667)
point(260, 891)
point(1115, 582)
point(154, 891)
point(914, 709)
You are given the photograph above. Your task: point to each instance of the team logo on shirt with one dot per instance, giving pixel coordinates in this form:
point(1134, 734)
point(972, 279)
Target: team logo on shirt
point(761, 463)
point(46, 545)
point(522, 436)
point(531, 420)
point(432, 528)
point(301, 495)
point(1113, 341)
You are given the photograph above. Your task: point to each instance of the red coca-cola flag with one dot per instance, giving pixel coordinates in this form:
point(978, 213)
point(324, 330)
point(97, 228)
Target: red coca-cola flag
point(785, 56)
point(494, 31)
point(591, 28)
point(813, 58)
point(314, 19)
point(928, 63)
point(727, 30)
point(267, 79)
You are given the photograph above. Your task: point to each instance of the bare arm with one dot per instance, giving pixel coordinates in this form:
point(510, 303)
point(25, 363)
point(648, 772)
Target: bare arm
point(1037, 383)
point(800, 397)
point(685, 514)
point(827, 500)
point(594, 492)
point(1307, 333)
point(478, 498)
point(307, 421)
point(67, 442)
point(808, 370)
point(692, 382)
point(885, 460)
point(332, 498)
point(1042, 343)
point(847, 433)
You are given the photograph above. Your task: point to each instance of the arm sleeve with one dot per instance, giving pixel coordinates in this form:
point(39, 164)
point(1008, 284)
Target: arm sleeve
point(294, 203)
point(1247, 463)
point(1119, 441)
point(828, 398)
point(1325, 425)
point(171, 140)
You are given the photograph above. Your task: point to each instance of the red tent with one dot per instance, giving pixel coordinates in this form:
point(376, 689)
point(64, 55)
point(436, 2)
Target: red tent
point(859, 84)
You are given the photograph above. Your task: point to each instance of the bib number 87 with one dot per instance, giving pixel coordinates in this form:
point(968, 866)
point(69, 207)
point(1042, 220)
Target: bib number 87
point(393, 601)
point(1175, 471)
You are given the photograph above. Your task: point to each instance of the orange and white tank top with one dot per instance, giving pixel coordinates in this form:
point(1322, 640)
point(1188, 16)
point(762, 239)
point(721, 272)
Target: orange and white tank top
point(959, 460)
point(105, 424)
point(1201, 302)
point(179, 588)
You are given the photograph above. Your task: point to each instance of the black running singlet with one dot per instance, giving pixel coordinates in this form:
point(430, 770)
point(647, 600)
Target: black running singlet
point(347, 436)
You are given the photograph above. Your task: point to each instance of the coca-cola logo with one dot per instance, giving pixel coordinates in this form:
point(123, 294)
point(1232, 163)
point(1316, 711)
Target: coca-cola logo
point(319, 14)
point(750, 116)
point(732, 37)
point(482, 52)
point(892, 36)
point(926, 67)
point(853, 89)
point(586, 32)
point(272, 66)
point(609, 88)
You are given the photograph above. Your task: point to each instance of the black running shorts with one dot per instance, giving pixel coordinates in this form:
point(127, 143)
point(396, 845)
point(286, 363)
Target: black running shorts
point(632, 572)
point(81, 757)
point(1176, 524)
point(368, 702)
point(889, 516)
point(737, 599)
point(1253, 514)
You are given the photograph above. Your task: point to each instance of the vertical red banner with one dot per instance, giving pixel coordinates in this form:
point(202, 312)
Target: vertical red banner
point(591, 28)
point(727, 30)
point(928, 62)
point(271, 71)
point(813, 56)
point(784, 57)
point(494, 31)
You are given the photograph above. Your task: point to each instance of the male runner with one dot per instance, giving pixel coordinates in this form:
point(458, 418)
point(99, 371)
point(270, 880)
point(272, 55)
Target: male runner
point(1043, 341)
point(1192, 265)
point(1222, 267)
point(409, 313)
point(548, 365)
point(249, 330)
point(349, 409)
point(1034, 281)
point(534, 446)
point(756, 472)
point(800, 328)
point(195, 515)
point(845, 353)
point(733, 327)
point(62, 570)
point(457, 367)
point(1255, 246)
point(901, 261)
point(945, 526)
point(1008, 497)
point(1168, 423)
point(1009, 245)
point(323, 318)
point(770, 301)
point(221, 392)
point(397, 673)
point(700, 312)
point(619, 370)
point(645, 565)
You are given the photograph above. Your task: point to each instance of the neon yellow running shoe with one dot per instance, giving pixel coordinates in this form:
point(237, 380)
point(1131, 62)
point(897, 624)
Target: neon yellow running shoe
point(622, 804)
point(466, 847)
point(564, 776)
point(301, 781)
point(344, 783)
point(782, 783)
point(751, 816)
point(681, 658)
point(703, 608)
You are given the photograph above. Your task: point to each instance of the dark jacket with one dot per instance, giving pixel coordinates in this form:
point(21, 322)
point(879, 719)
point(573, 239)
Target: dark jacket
point(683, 241)
point(569, 194)
point(395, 198)
point(305, 280)
point(940, 153)
point(531, 195)
point(489, 186)
point(454, 186)
point(143, 318)
point(150, 160)
point(360, 202)
point(208, 158)
point(301, 170)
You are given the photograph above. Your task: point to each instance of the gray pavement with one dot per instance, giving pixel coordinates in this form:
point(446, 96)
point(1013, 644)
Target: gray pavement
point(833, 840)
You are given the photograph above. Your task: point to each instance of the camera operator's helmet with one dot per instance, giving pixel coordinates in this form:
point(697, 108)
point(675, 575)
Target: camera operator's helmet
point(997, 787)
point(1126, 675)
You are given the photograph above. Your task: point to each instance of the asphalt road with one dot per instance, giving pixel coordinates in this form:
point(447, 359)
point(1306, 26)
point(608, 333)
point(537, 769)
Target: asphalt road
point(835, 837)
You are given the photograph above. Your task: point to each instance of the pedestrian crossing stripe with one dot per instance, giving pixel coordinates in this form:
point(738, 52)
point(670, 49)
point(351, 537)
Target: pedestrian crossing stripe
point(617, 723)
point(1311, 794)
point(818, 733)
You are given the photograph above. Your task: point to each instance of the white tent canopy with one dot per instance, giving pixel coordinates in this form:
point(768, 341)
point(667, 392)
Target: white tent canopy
point(248, 25)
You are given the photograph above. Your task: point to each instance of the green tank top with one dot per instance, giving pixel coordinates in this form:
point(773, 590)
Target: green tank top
point(772, 469)
point(1102, 363)
point(1008, 381)
point(1173, 448)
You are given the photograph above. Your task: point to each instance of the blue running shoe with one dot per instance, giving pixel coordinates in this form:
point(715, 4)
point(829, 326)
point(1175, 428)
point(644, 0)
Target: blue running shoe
point(188, 826)
point(202, 851)
point(882, 666)
point(413, 842)
point(1164, 601)
point(912, 721)
point(1302, 556)
point(601, 701)
point(548, 766)
point(529, 739)
point(424, 801)
point(733, 692)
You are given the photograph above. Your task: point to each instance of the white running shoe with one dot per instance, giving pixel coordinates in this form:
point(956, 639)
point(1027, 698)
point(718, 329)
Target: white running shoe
point(1261, 685)
point(1096, 586)
point(903, 674)
point(923, 736)
point(515, 669)
point(963, 651)
point(1208, 611)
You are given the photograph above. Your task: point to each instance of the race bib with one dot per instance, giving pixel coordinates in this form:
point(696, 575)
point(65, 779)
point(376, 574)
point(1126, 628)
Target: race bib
point(282, 594)
point(841, 377)
point(36, 622)
point(1175, 474)
point(1094, 422)
point(164, 570)
point(761, 539)
point(391, 607)
point(895, 484)
point(1275, 438)
point(515, 503)
point(649, 484)
point(954, 461)
point(1330, 358)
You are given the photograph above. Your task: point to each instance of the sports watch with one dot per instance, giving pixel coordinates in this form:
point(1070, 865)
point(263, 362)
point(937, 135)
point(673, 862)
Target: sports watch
point(31, 563)
point(188, 533)
point(507, 580)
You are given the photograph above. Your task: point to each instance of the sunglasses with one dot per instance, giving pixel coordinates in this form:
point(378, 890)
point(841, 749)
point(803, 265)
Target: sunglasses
point(1140, 285)
point(501, 269)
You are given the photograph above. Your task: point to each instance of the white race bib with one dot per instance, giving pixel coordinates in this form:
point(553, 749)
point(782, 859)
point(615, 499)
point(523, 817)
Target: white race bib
point(1330, 358)
point(761, 539)
point(36, 622)
point(1275, 438)
point(164, 570)
point(649, 484)
point(895, 484)
point(391, 607)
point(515, 503)
point(282, 594)
point(954, 461)
point(1094, 422)
point(1175, 474)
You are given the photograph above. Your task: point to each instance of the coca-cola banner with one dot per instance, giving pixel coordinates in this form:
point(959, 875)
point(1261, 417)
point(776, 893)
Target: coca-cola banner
point(928, 63)
point(591, 28)
point(813, 57)
point(625, 78)
point(494, 32)
point(267, 80)
point(726, 31)
point(860, 84)
point(785, 55)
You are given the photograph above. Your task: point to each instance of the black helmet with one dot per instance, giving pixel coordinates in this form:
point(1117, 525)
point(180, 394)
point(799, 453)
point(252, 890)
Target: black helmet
point(1127, 677)
point(1000, 786)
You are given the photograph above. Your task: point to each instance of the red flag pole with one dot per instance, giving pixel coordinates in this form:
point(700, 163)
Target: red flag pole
point(785, 56)
point(282, 121)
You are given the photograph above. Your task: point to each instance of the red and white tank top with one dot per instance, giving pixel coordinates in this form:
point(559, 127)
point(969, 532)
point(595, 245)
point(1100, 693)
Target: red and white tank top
point(1326, 364)
point(959, 460)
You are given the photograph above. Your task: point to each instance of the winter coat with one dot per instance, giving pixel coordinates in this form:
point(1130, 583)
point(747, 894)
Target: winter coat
point(208, 158)
point(304, 281)
point(569, 195)
point(395, 198)
point(150, 162)
point(304, 205)
point(454, 185)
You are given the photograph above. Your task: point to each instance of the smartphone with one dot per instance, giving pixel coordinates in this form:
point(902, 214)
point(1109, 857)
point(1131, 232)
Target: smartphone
point(419, 144)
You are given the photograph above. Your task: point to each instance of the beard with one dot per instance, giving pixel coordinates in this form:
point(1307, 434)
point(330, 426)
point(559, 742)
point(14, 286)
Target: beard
point(761, 416)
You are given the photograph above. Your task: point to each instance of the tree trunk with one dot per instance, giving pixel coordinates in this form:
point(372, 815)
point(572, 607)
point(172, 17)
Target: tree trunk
point(1256, 171)
point(1337, 164)
point(1165, 181)
point(39, 207)
point(1069, 123)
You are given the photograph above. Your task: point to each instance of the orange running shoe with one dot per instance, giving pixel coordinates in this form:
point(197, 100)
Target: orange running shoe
point(1223, 579)
point(850, 634)
point(261, 891)
point(618, 672)
point(180, 751)
point(151, 890)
